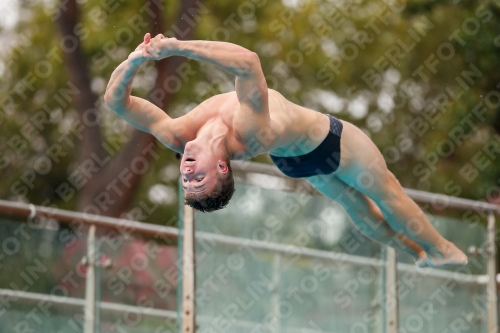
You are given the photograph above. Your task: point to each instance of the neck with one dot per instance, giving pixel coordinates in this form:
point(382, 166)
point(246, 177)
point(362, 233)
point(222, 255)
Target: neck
point(213, 136)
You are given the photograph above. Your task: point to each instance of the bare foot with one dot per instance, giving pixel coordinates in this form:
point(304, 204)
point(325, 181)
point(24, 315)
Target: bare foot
point(450, 255)
point(422, 259)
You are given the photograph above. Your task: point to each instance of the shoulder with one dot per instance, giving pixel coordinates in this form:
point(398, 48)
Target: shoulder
point(178, 131)
point(274, 92)
point(276, 96)
point(213, 103)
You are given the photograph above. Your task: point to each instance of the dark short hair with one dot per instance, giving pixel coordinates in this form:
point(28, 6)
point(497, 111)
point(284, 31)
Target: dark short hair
point(215, 200)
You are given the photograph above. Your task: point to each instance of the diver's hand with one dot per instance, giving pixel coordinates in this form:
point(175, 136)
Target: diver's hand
point(140, 54)
point(161, 47)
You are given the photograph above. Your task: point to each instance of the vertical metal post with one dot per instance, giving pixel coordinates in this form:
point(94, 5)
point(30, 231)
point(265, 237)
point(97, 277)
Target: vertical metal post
point(276, 297)
point(491, 287)
point(391, 291)
point(89, 310)
point(188, 273)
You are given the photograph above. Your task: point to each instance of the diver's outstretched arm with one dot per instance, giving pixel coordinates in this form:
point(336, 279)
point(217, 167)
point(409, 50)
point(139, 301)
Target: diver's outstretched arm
point(251, 87)
point(138, 112)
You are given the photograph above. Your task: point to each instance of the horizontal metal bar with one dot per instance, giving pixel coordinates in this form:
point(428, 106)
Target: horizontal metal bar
point(446, 201)
point(290, 250)
point(250, 326)
point(80, 302)
point(148, 312)
point(37, 297)
point(242, 166)
point(419, 196)
point(249, 166)
point(124, 225)
point(439, 273)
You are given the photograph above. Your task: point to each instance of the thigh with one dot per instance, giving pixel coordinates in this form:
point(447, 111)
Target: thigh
point(363, 166)
point(352, 200)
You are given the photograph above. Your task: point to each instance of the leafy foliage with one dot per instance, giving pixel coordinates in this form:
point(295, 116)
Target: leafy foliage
point(357, 60)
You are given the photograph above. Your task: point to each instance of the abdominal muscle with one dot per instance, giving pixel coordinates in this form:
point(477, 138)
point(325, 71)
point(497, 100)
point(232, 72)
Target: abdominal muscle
point(295, 130)
point(299, 130)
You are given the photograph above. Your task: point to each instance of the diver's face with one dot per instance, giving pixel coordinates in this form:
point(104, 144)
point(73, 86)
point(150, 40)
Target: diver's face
point(200, 171)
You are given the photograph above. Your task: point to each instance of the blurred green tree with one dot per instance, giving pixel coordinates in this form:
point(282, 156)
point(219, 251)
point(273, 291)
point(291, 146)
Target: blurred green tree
point(60, 125)
point(399, 71)
point(472, 76)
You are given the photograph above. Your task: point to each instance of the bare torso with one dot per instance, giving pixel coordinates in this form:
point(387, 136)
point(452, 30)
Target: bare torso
point(253, 120)
point(290, 130)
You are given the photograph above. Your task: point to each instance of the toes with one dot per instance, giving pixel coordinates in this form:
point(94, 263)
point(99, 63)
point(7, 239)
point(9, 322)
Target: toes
point(422, 262)
point(422, 259)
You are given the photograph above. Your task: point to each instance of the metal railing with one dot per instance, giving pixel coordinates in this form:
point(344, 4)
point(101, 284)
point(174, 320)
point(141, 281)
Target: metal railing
point(390, 264)
point(123, 226)
point(188, 323)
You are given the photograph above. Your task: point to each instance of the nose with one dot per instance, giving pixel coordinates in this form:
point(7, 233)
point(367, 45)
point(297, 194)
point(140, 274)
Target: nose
point(188, 170)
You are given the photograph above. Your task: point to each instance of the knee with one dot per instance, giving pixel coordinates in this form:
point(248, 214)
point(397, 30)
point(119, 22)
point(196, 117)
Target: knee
point(373, 208)
point(392, 187)
point(385, 187)
point(391, 193)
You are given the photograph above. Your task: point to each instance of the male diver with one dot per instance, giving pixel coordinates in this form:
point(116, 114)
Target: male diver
point(333, 155)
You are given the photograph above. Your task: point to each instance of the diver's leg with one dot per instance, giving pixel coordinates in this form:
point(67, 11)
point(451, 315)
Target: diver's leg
point(363, 167)
point(365, 214)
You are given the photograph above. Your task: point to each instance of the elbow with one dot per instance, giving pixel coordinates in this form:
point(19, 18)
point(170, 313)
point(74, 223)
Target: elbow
point(252, 57)
point(112, 102)
point(251, 61)
point(107, 98)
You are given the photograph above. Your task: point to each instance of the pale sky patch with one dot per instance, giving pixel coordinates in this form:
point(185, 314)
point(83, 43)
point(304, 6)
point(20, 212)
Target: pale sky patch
point(329, 100)
point(358, 107)
point(10, 13)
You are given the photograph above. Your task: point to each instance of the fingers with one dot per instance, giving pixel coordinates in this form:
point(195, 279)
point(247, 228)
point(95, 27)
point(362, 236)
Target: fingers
point(146, 54)
point(151, 50)
point(147, 37)
point(152, 47)
point(158, 37)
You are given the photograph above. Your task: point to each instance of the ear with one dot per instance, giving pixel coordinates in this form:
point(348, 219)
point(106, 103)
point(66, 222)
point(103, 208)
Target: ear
point(223, 166)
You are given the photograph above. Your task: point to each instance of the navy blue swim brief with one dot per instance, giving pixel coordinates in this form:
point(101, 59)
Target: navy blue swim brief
point(323, 160)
